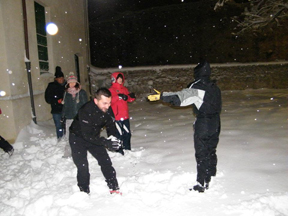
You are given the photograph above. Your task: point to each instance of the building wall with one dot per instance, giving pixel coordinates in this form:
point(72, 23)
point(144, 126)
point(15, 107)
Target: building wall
point(142, 80)
point(72, 38)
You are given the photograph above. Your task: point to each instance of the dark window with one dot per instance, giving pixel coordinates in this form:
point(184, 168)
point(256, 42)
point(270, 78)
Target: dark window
point(77, 67)
point(41, 38)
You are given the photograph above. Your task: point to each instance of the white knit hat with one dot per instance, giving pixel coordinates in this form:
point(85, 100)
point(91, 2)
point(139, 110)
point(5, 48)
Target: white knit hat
point(72, 78)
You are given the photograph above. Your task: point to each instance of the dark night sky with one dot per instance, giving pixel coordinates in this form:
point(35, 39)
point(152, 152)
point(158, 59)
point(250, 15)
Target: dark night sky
point(100, 7)
point(169, 32)
point(106, 53)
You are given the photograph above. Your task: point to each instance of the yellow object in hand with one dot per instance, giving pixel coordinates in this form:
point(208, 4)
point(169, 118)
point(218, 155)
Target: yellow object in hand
point(154, 97)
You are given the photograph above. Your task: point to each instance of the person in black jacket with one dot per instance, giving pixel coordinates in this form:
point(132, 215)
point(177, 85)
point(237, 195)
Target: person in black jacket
point(205, 96)
point(54, 96)
point(6, 146)
point(85, 136)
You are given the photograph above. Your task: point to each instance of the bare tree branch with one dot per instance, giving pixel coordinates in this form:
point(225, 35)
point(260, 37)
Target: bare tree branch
point(260, 14)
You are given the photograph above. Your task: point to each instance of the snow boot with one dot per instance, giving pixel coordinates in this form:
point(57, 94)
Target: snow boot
point(198, 188)
point(115, 192)
point(85, 189)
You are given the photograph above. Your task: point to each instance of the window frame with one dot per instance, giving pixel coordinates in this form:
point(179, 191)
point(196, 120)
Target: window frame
point(41, 35)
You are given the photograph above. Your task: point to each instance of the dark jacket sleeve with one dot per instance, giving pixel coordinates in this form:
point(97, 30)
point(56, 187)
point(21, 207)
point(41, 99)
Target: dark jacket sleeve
point(82, 98)
point(111, 124)
point(64, 110)
point(49, 94)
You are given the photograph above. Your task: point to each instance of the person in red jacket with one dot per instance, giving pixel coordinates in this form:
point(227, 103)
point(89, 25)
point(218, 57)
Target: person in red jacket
point(120, 97)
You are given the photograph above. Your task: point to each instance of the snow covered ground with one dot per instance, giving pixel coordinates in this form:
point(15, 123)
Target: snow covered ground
point(156, 175)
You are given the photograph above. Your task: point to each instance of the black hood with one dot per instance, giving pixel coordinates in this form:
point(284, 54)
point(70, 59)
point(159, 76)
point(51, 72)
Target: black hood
point(202, 70)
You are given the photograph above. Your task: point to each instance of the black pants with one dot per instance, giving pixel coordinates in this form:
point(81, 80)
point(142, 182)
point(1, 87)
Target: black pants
point(79, 149)
point(125, 135)
point(206, 138)
point(5, 145)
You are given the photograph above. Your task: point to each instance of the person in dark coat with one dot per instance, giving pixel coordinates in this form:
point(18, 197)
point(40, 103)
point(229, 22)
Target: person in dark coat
point(205, 96)
point(74, 98)
point(6, 146)
point(85, 136)
point(54, 96)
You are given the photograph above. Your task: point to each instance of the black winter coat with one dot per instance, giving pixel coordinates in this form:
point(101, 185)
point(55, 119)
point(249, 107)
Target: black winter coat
point(90, 121)
point(53, 93)
point(212, 102)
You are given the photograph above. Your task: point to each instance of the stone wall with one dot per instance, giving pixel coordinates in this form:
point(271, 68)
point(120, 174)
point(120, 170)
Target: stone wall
point(142, 80)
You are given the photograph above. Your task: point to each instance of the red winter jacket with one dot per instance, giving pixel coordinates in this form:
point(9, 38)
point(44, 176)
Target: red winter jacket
point(119, 106)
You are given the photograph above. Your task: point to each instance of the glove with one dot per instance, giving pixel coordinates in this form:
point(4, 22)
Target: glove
point(59, 100)
point(63, 120)
point(154, 97)
point(132, 95)
point(112, 143)
point(123, 97)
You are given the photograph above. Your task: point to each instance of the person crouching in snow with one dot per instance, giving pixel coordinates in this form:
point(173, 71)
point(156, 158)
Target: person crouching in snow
point(205, 96)
point(120, 97)
point(84, 136)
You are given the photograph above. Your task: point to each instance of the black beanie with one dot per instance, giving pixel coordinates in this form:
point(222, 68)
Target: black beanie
point(58, 72)
point(119, 75)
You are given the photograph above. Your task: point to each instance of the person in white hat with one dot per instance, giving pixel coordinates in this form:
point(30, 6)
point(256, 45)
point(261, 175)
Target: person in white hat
point(74, 98)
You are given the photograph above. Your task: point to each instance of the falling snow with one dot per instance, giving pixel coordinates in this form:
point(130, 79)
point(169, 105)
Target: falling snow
point(156, 175)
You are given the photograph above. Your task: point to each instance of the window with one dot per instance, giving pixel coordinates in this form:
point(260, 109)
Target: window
point(41, 38)
point(77, 67)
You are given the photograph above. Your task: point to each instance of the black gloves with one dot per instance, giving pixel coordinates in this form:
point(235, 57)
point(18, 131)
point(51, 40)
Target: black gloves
point(123, 97)
point(112, 143)
point(132, 95)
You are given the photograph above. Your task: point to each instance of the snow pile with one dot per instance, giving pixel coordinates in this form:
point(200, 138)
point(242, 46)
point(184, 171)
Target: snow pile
point(156, 175)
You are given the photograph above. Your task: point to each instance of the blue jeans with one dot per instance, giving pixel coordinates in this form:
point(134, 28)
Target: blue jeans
point(57, 122)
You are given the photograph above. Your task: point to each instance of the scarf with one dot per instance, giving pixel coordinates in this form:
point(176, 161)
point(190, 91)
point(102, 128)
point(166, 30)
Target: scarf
point(73, 91)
